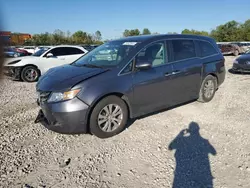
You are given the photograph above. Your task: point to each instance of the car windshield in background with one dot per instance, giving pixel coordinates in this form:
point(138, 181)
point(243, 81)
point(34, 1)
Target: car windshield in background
point(39, 52)
point(107, 55)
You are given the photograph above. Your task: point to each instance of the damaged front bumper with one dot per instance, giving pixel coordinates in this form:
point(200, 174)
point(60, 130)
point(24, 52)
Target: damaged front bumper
point(13, 72)
point(68, 117)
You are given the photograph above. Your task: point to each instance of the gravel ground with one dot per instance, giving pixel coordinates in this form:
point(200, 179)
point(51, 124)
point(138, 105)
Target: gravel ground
point(147, 154)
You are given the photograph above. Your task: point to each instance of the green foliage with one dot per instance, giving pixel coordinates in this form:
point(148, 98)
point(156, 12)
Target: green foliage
point(98, 36)
point(230, 31)
point(60, 37)
point(146, 31)
point(132, 32)
point(195, 32)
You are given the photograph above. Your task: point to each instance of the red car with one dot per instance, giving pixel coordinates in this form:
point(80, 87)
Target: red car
point(24, 52)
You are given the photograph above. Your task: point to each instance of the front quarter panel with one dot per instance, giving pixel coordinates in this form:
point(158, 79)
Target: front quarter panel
point(105, 84)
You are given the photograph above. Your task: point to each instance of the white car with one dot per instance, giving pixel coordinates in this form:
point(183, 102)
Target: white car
point(30, 68)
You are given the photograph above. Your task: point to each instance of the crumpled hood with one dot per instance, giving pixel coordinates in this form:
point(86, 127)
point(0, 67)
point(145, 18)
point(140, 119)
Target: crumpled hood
point(64, 77)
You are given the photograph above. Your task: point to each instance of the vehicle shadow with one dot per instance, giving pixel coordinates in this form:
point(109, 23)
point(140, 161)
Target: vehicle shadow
point(192, 159)
point(131, 121)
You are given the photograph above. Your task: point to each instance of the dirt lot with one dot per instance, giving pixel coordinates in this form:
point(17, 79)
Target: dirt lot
point(145, 155)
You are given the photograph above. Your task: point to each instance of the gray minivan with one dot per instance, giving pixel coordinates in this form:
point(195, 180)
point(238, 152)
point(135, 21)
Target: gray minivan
point(127, 78)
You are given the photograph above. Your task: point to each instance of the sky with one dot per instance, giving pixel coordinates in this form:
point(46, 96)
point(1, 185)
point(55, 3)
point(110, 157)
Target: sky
point(112, 17)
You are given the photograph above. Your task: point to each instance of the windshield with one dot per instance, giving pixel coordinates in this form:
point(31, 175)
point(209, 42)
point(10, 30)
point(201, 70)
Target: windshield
point(107, 55)
point(39, 52)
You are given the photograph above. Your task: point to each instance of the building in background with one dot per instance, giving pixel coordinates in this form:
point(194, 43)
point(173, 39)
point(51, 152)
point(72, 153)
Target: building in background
point(14, 38)
point(19, 38)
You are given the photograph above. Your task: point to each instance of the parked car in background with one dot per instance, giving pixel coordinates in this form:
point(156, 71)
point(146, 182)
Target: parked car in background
point(243, 46)
point(228, 49)
point(30, 49)
point(143, 74)
point(242, 63)
point(11, 52)
point(22, 52)
point(30, 68)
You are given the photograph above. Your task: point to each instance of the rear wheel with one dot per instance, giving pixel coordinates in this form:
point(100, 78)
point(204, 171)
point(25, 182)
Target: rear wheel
point(208, 88)
point(30, 74)
point(109, 117)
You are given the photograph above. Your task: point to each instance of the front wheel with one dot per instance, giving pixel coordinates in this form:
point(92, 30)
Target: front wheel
point(109, 117)
point(30, 74)
point(208, 88)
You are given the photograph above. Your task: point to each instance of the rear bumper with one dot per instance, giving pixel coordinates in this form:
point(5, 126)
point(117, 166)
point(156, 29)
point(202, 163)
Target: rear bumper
point(13, 72)
point(241, 68)
point(68, 117)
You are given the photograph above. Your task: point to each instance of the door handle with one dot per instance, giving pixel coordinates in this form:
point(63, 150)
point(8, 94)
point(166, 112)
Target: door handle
point(167, 73)
point(176, 72)
point(172, 73)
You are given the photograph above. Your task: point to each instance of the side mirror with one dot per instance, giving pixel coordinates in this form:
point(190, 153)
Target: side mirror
point(49, 55)
point(143, 65)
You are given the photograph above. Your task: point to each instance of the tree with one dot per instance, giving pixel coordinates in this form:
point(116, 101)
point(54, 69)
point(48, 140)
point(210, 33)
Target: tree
point(245, 30)
point(146, 31)
point(195, 32)
point(126, 33)
point(135, 32)
point(79, 37)
point(132, 32)
point(230, 31)
point(58, 37)
point(98, 36)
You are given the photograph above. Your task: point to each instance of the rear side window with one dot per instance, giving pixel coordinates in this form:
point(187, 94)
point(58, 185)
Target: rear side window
point(207, 49)
point(61, 51)
point(72, 51)
point(57, 52)
point(183, 49)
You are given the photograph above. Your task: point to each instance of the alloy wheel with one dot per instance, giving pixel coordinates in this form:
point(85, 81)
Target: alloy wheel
point(110, 117)
point(31, 74)
point(209, 89)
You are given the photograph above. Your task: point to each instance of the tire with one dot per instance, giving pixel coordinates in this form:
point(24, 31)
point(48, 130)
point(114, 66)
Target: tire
point(100, 129)
point(30, 78)
point(236, 53)
point(203, 95)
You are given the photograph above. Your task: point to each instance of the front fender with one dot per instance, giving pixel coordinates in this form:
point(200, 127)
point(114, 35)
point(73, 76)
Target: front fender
point(100, 86)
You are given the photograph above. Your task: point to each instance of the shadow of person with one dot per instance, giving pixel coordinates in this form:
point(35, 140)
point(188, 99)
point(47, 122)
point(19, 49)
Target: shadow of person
point(192, 161)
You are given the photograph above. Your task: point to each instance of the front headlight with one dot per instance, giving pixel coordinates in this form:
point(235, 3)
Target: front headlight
point(62, 96)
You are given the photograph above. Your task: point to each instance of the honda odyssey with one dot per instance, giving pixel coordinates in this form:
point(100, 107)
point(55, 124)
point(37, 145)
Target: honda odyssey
point(127, 78)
